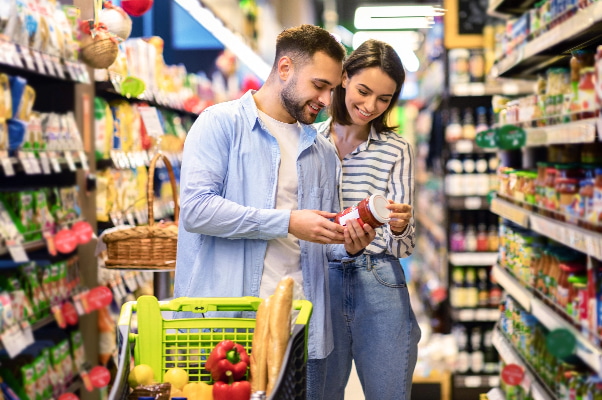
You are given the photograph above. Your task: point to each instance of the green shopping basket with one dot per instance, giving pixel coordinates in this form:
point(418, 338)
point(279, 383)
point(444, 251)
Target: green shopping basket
point(186, 342)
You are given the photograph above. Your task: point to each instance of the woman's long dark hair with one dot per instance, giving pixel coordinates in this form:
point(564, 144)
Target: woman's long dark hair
point(371, 53)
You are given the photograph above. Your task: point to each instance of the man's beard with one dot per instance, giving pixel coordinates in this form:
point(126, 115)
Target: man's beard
point(294, 106)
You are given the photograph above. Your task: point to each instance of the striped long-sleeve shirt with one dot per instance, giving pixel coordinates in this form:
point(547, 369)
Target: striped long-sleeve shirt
point(384, 164)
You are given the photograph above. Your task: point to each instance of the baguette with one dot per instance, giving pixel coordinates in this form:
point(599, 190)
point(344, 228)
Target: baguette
point(280, 330)
point(259, 348)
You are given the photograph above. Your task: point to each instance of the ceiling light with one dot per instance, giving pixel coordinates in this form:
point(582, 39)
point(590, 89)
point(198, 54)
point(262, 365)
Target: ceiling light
point(404, 43)
point(396, 17)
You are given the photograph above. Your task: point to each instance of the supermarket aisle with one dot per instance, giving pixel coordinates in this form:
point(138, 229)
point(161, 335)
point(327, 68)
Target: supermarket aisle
point(353, 391)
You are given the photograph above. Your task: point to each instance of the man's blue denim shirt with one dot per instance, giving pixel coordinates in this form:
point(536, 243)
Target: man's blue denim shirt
point(227, 193)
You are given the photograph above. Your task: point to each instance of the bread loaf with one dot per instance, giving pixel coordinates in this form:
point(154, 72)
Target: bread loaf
point(259, 348)
point(281, 305)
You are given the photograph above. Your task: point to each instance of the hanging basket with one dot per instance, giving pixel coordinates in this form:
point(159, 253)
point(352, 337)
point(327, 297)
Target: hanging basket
point(146, 247)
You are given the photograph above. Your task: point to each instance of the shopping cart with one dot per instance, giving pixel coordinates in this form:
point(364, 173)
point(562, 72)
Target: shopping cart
point(186, 342)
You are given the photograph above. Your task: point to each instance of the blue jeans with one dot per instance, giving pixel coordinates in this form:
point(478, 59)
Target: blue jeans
point(373, 324)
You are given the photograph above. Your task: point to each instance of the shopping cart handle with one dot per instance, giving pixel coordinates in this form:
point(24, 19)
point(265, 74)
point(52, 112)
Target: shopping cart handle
point(126, 313)
point(206, 304)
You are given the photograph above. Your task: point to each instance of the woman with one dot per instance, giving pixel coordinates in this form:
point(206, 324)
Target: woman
point(373, 321)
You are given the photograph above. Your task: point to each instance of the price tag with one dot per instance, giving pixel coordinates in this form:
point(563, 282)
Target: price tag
point(54, 162)
point(17, 251)
point(7, 165)
point(5, 55)
point(24, 159)
point(45, 163)
point(84, 160)
point(58, 67)
point(13, 341)
point(472, 203)
point(150, 118)
point(26, 55)
point(49, 65)
point(15, 56)
point(472, 381)
point(39, 62)
point(35, 164)
point(70, 161)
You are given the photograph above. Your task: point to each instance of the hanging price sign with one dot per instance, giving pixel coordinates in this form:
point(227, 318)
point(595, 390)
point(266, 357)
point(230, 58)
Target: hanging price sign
point(99, 376)
point(83, 232)
point(65, 241)
point(511, 137)
point(99, 297)
point(512, 374)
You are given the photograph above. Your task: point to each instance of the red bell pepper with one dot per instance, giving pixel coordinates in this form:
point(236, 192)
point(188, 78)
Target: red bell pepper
point(227, 356)
point(239, 390)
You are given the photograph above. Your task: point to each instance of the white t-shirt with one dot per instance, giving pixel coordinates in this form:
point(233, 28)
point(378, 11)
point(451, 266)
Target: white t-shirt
point(283, 255)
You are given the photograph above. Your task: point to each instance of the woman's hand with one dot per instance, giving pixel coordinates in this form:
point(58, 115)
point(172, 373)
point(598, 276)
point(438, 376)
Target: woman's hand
point(400, 216)
point(357, 237)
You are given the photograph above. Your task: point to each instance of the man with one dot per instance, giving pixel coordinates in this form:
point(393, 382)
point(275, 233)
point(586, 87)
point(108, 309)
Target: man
point(258, 186)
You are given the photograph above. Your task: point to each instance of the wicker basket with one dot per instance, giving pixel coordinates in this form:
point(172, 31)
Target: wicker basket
point(99, 52)
point(146, 247)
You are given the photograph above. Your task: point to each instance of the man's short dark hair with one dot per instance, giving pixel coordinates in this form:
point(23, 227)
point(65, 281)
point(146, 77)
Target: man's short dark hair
point(302, 42)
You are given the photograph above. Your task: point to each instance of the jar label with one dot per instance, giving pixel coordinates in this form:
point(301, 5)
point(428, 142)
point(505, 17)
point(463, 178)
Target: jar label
point(353, 214)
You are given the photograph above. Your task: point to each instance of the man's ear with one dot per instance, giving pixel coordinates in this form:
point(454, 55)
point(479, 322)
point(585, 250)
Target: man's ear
point(285, 67)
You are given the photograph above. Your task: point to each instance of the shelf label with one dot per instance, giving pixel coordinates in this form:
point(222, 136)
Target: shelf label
point(84, 160)
point(150, 118)
point(54, 162)
point(473, 202)
point(7, 165)
point(17, 251)
point(70, 161)
point(45, 163)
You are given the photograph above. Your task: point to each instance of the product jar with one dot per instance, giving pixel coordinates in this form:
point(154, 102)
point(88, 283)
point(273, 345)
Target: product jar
point(372, 211)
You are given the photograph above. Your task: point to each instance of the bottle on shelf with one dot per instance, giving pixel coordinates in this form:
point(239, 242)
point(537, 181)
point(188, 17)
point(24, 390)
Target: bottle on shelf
point(457, 238)
point(490, 356)
point(483, 288)
point(482, 124)
point(463, 360)
point(471, 291)
point(453, 131)
point(468, 127)
point(457, 296)
point(477, 356)
point(471, 238)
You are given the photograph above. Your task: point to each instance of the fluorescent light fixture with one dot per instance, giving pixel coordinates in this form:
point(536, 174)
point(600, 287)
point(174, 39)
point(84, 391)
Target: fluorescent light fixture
point(404, 43)
point(230, 40)
point(396, 17)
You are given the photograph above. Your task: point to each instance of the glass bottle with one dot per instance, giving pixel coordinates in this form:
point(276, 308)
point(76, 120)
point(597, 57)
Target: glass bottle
point(482, 241)
point(453, 131)
point(477, 357)
point(468, 127)
point(472, 294)
point(457, 290)
point(482, 124)
point(483, 288)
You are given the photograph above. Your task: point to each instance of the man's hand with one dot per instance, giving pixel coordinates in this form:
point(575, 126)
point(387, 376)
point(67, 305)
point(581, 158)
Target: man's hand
point(314, 226)
point(357, 237)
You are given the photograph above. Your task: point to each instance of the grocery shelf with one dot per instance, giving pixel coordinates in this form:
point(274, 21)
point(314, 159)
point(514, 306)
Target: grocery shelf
point(586, 350)
point(582, 28)
point(509, 354)
point(583, 131)
point(513, 287)
point(476, 381)
point(499, 8)
point(509, 211)
point(548, 317)
point(29, 246)
point(466, 146)
point(476, 314)
point(510, 88)
point(580, 239)
point(473, 258)
point(467, 202)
